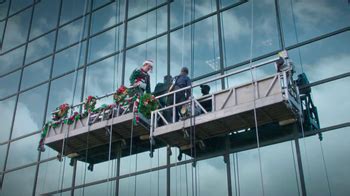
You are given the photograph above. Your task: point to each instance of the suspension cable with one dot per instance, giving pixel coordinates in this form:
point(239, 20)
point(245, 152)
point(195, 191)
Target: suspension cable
point(325, 168)
point(295, 168)
point(255, 95)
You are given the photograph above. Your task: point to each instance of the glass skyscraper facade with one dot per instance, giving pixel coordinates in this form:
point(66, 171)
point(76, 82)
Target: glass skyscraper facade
point(61, 51)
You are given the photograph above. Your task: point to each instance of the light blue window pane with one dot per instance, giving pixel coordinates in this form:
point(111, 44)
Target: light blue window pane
point(67, 60)
point(72, 9)
point(17, 5)
point(139, 6)
point(11, 60)
point(45, 17)
point(30, 111)
point(9, 84)
point(23, 177)
point(36, 73)
point(6, 117)
point(16, 30)
point(40, 47)
point(3, 9)
point(72, 33)
point(3, 150)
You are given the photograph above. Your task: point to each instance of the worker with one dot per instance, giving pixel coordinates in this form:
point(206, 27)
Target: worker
point(140, 79)
point(207, 105)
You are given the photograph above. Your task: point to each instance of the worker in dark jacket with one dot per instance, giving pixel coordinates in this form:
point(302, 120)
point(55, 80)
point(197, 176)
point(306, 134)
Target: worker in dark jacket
point(181, 81)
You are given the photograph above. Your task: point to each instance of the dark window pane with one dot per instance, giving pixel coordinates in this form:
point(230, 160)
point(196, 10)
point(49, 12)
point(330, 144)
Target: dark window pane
point(154, 50)
point(9, 84)
point(72, 9)
point(67, 60)
point(3, 9)
point(106, 43)
point(305, 19)
point(147, 26)
point(49, 176)
point(40, 47)
point(72, 33)
point(107, 16)
point(193, 9)
point(225, 3)
point(23, 152)
point(45, 17)
point(98, 3)
point(199, 53)
point(16, 30)
point(138, 6)
point(3, 149)
point(62, 91)
point(11, 60)
point(2, 26)
point(19, 182)
point(237, 31)
point(30, 111)
point(36, 73)
point(16, 5)
point(8, 107)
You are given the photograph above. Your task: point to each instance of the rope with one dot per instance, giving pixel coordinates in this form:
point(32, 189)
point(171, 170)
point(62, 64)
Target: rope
point(130, 152)
point(295, 168)
point(254, 89)
point(326, 170)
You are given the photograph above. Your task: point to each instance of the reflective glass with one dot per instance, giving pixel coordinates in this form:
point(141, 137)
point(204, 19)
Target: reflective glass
point(16, 30)
point(225, 3)
point(9, 84)
point(198, 52)
point(107, 188)
point(64, 90)
point(138, 6)
point(3, 9)
point(106, 43)
point(72, 9)
point(45, 17)
point(3, 149)
point(8, 107)
point(149, 184)
point(236, 31)
point(40, 47)
point(146, 26)
point(305, 19)
point(11, 60)
point(154, 50)
point(2, 26)
point(49, 176)
point(23, 152)
point(319, 64)
point(72, 33)
point(98, 3)
point(30, 111)
point(103, 77)
point(19, 182)
point(36, 73)
point(16, 5)
point(67, 59)
point(192, 9)
point(107, 16)
point(101, 171)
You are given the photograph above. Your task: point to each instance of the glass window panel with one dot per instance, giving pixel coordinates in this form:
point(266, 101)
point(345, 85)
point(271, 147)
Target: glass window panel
point(8, 107)
point(62, 91)
point(181, 13)
point(40, 47)
point(16, 5)
point(72, 9)
point(319, 64)
point(36, 73)
point(107, 16)
point(67, 59)
point(45, 17)
point(23, 152)
point(107, 188)
point(2, 26)
point(103, 77)
point(30, 111)
point(9, 84)
point(138, 6)
point(303, 20)
point(72, 33)
point(147, 26)
point(148, 184)
point(100, 171)
point(11, 60)
point(202, 56)
point(19, 182)
point(3, 9)
point(237, 31)
point(225, 3)
point(331, 100)
point(106, 43)
point(16, 30)
point(98, 3)
point(49, 176)
point(3, 149)
point(154, 50)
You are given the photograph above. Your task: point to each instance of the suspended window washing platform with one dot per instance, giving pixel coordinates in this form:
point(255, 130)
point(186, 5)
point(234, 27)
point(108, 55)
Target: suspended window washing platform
point(274, 103)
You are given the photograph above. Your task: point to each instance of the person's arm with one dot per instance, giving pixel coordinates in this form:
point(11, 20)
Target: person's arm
point(188, 83)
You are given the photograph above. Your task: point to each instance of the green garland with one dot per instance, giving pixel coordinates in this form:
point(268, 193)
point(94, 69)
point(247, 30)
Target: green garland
point(148, 103)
